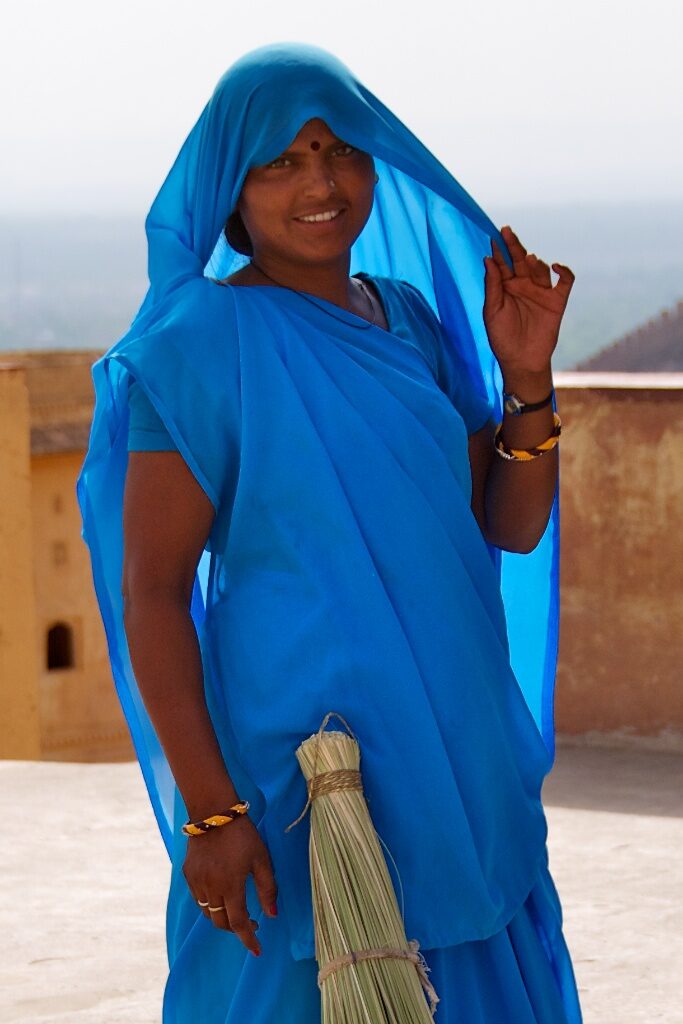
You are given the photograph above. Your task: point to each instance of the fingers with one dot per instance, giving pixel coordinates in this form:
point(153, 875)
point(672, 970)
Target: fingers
point(240, 923)
point(493, 283)
point(217, 881)
point(265, 883)
point(528, 264)
point(217, 912)
point(213, 909)
point(218, 915)
point(517, 252)
point(567, 278)
point(539, 271)
point(202, 901)
point(500, 261)
point(525, 264)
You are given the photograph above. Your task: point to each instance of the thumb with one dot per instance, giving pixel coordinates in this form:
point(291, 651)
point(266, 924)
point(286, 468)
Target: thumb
point(266, 886)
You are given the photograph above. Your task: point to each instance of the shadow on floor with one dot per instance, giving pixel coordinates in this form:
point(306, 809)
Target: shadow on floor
point(625, 781)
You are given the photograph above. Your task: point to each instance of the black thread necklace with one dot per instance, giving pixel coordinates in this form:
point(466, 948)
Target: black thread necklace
point(367, 323)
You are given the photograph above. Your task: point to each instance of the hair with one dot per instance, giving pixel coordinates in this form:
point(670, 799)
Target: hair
point(237, 235)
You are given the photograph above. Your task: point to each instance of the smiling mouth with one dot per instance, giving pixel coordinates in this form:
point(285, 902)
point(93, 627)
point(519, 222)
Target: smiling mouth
point(328, 217)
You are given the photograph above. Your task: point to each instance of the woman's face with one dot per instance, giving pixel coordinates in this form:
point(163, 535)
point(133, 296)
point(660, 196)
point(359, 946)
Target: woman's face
point(275, 196)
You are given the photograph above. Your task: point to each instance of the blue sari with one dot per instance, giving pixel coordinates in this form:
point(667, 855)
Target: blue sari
point(344, 570)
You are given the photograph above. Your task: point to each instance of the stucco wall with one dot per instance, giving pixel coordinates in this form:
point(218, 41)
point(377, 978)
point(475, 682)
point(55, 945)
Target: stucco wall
point(70, 712)
point(620, 666)
point(79, 711)
point(19, 698)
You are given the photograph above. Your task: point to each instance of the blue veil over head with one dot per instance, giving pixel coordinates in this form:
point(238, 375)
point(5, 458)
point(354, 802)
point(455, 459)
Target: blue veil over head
point(424, 228)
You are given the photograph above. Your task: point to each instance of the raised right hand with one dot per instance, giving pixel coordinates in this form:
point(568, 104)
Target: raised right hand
point(216, 868)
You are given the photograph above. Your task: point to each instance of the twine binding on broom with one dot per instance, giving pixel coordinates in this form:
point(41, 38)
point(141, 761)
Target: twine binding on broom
point(347, 778)
point(387, 951)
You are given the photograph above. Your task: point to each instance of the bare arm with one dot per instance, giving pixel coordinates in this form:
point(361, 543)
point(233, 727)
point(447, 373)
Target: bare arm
point(167, 518)
point(522, 314)
point(512, 500)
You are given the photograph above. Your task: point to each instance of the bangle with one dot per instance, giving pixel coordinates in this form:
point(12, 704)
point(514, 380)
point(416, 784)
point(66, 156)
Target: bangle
point(198, 828)
point(525, 454)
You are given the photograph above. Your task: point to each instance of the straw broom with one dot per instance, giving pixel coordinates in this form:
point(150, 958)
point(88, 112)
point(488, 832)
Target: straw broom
point(369, 973)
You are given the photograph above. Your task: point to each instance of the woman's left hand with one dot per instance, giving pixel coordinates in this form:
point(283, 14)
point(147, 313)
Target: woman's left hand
point(522, 308)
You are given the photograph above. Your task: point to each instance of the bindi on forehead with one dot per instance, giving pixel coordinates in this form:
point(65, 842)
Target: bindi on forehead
point(315, 144)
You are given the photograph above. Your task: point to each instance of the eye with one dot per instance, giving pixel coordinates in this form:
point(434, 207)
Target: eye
point(274, 163)
point(346, 145)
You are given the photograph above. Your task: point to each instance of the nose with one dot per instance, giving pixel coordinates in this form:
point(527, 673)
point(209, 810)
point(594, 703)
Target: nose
point(318, 176)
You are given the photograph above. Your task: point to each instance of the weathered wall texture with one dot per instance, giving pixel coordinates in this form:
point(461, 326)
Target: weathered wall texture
point(80, 715)
point(19, 699)
point(621, 565)
point(63, 711)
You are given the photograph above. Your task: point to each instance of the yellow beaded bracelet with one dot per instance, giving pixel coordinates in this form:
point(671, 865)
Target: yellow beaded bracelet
point(198, 828)
point(525, 454)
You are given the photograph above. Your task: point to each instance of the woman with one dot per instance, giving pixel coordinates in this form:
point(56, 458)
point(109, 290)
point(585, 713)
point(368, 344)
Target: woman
point(293, 505)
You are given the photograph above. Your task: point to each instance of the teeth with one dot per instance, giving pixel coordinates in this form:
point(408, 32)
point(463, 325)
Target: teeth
point(328, 215)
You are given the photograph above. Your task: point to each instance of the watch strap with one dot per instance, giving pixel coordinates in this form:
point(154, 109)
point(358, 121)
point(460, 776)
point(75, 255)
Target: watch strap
point(521, 406)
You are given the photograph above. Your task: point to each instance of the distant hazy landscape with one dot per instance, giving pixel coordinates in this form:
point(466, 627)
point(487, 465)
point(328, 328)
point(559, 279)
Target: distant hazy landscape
point(78, 282)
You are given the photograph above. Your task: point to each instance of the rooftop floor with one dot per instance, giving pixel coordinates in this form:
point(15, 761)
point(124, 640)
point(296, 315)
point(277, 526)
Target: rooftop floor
point(83, 888)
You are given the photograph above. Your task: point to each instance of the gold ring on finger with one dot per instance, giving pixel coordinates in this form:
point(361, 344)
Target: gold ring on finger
point(212, 909)
point(202, 904)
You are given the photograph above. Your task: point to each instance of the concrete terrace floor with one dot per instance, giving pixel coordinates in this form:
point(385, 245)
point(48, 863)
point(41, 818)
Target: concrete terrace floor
point(85, 875)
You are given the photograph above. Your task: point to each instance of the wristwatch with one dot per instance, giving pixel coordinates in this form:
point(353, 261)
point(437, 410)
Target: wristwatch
point(514, 404)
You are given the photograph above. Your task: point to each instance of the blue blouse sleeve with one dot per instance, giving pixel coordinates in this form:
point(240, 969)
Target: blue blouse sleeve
point(452, 376)
point(146, 430)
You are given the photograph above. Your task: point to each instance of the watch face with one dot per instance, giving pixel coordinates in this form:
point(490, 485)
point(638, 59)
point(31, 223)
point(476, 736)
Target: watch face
point(513, 404)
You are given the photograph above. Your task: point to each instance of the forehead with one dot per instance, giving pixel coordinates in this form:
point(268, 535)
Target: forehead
point(313, 135)
point(315, 130)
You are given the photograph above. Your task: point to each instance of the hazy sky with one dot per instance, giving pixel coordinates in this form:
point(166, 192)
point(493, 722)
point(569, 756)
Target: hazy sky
point(524, 101)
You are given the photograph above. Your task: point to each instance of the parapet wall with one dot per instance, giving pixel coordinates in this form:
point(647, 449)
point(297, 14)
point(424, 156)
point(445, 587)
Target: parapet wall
point(620, 668)
point(19, 686)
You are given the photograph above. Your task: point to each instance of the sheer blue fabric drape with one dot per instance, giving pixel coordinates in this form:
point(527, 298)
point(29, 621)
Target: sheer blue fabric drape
point(424, 229)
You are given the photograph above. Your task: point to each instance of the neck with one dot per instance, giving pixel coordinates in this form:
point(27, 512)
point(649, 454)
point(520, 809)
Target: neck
point(328, 281)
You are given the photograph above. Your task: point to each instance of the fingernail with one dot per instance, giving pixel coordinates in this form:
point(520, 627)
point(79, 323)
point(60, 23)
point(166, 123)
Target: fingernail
point(273, 909)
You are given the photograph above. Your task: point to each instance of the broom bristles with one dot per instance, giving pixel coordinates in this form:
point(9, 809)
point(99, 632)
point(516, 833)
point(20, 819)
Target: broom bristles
point(355, 911)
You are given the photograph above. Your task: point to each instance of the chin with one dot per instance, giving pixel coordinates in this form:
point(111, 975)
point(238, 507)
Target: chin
point(321, 251)
point(326, 255)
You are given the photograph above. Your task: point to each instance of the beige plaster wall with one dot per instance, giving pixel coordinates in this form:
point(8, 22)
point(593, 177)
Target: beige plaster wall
point(620, 664)
point(19, 697)
point(80, 713)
